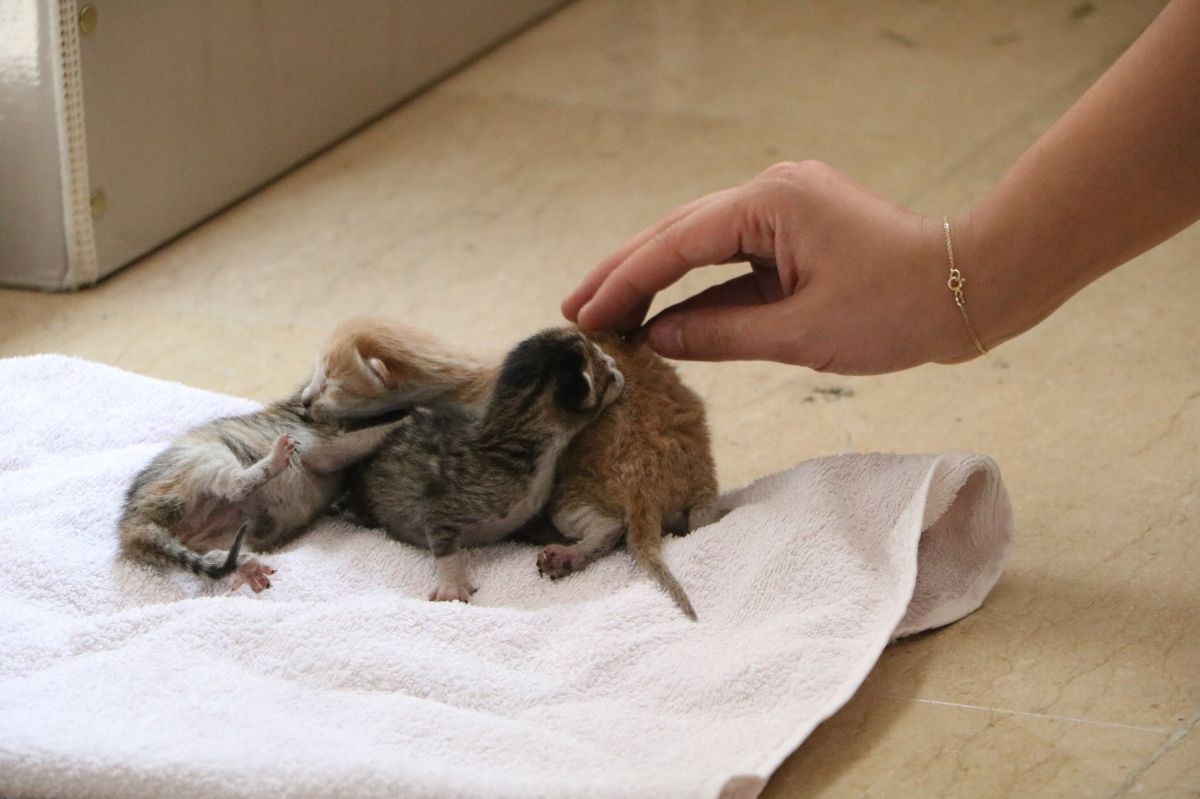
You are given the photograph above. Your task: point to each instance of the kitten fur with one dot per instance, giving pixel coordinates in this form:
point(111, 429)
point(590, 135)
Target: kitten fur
point(644, 465)
point(451, 476)
point(262, 477)
point(368, 366)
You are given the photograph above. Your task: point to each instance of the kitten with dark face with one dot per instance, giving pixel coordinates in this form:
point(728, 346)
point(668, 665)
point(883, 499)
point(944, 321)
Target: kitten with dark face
point(643, 467)
point(260, 478)
point(450, 476)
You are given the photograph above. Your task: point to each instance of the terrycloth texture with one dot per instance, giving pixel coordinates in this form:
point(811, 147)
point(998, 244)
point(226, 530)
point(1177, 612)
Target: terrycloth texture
point(341, 679)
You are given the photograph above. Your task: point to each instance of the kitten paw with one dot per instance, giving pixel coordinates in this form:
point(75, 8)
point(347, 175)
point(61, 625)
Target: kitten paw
point(282, 452)
point(254, 573)
point(557, 561)
point(452, 592)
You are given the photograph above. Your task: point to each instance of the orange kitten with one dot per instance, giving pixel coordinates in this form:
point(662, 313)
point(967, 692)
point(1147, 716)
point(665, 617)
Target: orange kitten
point(369, 365)
point(644, 465)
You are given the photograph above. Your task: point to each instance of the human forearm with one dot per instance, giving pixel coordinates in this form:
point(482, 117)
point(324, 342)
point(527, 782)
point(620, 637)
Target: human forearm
point(845, 281)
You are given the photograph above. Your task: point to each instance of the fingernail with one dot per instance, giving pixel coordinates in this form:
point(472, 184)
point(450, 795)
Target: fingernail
point(581, 318)
point(666, 337)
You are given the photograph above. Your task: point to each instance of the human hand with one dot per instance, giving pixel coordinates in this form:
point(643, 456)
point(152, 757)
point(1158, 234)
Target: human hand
point(841, 280)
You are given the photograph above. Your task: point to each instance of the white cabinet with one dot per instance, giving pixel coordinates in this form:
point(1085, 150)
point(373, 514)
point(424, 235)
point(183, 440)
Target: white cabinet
point(125, 122)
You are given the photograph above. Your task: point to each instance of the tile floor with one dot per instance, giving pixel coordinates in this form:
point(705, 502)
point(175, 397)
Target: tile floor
point(473, 209)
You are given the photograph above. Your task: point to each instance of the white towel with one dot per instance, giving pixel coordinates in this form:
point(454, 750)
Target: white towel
point(120, 680)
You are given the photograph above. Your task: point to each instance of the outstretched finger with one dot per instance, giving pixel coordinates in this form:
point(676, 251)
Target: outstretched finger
point(723, 333)
point(712, 233)
point(592, 281)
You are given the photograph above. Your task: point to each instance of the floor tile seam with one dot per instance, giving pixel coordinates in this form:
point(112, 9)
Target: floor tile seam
point(1176, 737)
point(1146, 447)
point(1166, 731)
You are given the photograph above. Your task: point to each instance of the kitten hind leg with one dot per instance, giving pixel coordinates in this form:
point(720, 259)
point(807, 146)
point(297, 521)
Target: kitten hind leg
point(233, 483)
point(451, 567)
point(253, 573)
point(703, 515)
point(153, 542)
point(701, 512)
point(594, 532)
point(539, 530)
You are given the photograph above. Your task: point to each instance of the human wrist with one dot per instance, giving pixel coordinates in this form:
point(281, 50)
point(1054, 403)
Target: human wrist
point(1010, 283)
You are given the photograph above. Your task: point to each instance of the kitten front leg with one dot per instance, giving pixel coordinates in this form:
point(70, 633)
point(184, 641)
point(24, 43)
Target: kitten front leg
point(333, 455)
point(595, 534)
point(451, 568)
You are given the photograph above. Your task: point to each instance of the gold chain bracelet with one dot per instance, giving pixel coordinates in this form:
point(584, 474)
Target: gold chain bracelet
point(955, 284)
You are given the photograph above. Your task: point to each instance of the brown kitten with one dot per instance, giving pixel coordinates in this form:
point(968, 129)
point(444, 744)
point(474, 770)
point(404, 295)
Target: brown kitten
point(644, 465)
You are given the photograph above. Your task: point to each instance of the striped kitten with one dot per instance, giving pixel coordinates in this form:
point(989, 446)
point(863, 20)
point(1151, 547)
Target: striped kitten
point(261, 477)
point(451, 476)
point(643, 466)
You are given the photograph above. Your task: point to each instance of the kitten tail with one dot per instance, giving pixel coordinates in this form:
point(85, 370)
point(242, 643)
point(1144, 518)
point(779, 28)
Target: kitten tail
point(644, 540)
point(157, 542)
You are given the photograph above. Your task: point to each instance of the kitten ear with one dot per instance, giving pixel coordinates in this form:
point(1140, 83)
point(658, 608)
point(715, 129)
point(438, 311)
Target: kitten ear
point(375, 369)
point(380, 370)
point(575, 391)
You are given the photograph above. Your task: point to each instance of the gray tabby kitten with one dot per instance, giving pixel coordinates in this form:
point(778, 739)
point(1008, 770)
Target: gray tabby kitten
point(449, 477)
point(262, 477)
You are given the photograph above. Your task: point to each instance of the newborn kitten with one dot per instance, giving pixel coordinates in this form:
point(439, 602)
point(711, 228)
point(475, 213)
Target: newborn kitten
point(263, 476)
point(449, 477)
point(644, 465)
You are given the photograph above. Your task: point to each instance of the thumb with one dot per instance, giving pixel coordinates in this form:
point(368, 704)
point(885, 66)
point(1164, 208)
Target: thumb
point(731, 333)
